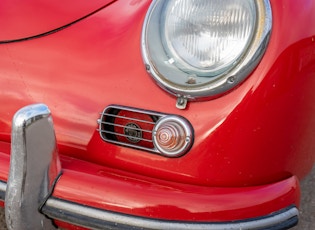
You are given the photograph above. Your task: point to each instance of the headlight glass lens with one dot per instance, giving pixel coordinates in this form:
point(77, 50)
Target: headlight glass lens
point(203, 48)
point(207, 37)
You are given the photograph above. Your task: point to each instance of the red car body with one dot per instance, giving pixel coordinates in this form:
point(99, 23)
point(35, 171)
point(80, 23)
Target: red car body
point(251, 147)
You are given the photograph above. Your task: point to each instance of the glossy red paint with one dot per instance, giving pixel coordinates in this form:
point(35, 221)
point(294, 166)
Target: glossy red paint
point(250, 142)
point(124, 192)
point(4, 160)
point(25, 19)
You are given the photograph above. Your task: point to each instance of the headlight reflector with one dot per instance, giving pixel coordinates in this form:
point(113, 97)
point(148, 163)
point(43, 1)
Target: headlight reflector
point(207, 37)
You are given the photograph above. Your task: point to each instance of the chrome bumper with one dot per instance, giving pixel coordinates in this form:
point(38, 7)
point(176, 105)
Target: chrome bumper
point(100, 219)
point(30, 205)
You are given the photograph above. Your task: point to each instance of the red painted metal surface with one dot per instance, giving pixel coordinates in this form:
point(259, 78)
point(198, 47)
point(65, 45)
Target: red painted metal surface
point(260, 133)
point(29, 18)
point(123, 192)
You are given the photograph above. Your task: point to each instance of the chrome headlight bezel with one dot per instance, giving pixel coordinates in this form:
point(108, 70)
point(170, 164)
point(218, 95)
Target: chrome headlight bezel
point(173, 77)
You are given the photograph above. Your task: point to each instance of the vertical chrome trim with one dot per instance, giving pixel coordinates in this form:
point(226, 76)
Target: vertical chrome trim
point(34, 168)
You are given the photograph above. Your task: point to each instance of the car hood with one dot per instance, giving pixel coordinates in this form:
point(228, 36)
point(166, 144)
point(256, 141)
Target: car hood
point(24, 19)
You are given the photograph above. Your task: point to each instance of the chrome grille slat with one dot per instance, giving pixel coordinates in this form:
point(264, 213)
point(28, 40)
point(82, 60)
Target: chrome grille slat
point(128, 118)
point(123, 126)
point(123, 135)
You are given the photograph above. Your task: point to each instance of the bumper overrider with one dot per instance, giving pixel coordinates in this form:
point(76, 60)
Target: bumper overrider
point(37, 193)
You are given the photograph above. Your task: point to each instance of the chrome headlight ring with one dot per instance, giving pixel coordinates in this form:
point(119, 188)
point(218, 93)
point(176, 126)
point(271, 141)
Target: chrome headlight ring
point(200, 49)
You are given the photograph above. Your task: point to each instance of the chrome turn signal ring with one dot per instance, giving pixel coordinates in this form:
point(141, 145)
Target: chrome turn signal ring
point(172, 136)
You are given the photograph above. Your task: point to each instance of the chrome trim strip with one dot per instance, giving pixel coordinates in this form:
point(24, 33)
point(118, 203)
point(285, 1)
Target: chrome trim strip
point(90, 217)
point(34, 168)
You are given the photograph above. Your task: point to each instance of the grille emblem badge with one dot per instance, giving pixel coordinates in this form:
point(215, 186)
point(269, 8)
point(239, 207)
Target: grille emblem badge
point(133, 132)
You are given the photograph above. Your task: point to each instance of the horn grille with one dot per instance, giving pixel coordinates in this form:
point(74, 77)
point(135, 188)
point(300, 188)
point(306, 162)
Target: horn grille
point(128, 127)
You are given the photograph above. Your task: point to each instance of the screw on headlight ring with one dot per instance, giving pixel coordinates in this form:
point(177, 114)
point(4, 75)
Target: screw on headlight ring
point(178, 77)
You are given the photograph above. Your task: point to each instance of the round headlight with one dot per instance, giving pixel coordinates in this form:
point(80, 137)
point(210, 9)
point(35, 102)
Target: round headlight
point(202, 48)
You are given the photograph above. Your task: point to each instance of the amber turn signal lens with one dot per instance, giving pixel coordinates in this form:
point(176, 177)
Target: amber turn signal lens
point(172, 136)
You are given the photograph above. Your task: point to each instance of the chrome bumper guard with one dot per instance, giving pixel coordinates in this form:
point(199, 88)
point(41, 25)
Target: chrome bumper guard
point(35, 168)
